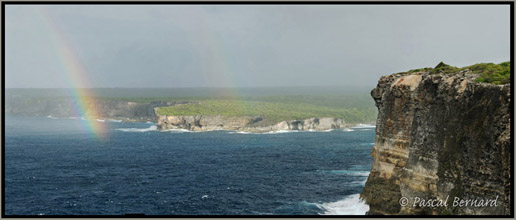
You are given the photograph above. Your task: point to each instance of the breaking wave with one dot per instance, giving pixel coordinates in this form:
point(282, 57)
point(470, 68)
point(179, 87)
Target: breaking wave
point(151, 128)
point(351, 205)
point(240, 132)
point(364, 126)
point(270, 132)
point(350, 172)
point(281, 131)
point(176, 130)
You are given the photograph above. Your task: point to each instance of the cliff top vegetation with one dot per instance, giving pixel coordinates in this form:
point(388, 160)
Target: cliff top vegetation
point(279, 108)
point(489, 72)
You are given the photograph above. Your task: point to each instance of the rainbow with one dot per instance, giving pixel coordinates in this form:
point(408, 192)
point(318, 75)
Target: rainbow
point(216, 62)
point(77, 75)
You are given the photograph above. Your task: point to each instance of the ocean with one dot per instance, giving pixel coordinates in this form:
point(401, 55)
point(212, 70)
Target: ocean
point(53, 166)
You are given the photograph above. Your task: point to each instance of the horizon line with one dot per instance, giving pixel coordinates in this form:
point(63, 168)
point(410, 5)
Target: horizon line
point(197, 87)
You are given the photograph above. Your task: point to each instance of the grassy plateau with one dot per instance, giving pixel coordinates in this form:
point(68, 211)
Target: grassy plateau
point(352, 108)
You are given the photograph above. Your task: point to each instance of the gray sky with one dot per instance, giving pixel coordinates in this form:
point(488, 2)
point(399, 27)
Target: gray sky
point(244, 46)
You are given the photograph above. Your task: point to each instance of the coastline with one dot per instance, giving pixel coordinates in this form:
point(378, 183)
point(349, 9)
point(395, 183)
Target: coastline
point(281, 127)
point(249, 124)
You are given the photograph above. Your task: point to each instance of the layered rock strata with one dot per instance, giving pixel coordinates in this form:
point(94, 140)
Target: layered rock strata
point(440, 137)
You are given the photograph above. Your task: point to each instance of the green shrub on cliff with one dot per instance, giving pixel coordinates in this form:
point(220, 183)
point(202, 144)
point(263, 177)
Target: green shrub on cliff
point(444, 68)
point(492, 73)
point(489, 72)
point(419, 70)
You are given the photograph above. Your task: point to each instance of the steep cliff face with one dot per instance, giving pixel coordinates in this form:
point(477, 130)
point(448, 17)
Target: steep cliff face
point(310, 124)
point(202, 123)
point(440, 136)
point(244, 123)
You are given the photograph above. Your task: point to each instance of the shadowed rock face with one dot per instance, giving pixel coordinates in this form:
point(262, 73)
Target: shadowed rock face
point(244, 123)
point(439, 136)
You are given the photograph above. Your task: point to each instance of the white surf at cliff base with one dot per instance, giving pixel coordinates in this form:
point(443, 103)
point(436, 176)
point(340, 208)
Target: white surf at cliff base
point(364, 126)
point(351, 205)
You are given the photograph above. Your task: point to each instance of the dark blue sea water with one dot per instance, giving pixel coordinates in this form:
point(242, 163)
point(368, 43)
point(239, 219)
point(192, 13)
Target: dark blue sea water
point(56, 167)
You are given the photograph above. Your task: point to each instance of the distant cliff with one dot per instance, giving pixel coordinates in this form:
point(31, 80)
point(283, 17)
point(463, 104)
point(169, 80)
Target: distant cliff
point(440, 135)
point(244, 123)
point(67, 107)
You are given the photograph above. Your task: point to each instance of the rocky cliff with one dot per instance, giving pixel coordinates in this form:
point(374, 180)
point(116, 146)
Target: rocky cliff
point(244, 123)
point(440, 137)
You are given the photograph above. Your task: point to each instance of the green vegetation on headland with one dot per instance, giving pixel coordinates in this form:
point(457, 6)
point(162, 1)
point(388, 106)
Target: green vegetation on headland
point(493, 73)
point(352, 105)
point(272, 111)
point(488, 72)
point(351, 108)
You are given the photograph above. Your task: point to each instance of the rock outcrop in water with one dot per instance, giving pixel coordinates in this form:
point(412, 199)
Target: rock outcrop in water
point(244, 123)
point(439, 136)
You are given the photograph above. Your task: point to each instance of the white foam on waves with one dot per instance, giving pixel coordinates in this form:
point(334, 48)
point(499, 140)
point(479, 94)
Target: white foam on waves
point(312, 130)
point(351, 205)
point(240, 132)
point(281, 131)
point(151, 128)
point(177, 130)
point(348, 129)
point(101, 120)
point(270, 132)
point(364, 126)
point(350, 172)
point(360, 173)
